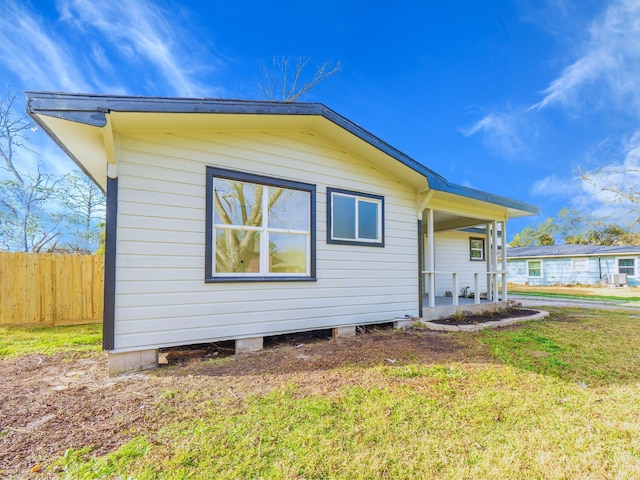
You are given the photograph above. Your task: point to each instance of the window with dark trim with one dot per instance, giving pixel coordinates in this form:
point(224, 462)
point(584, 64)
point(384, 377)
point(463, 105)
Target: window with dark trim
point(627, 265)
point(258, 228)
point(355, 218)
point(476, 249)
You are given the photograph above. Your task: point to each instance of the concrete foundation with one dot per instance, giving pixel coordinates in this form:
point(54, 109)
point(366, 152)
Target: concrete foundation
point(249, 345)
point(405, 322)
point(343, 332)
point(132, 361)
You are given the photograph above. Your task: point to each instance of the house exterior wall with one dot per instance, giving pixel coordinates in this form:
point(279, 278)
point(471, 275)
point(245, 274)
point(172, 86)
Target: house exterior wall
point(161, 298)
point(569, 270)
point(452, 254)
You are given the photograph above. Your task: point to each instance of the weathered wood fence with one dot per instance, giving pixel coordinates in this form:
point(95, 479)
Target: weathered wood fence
point(50, 289)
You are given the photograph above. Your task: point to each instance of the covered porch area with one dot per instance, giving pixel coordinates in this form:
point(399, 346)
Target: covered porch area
point(461, 243)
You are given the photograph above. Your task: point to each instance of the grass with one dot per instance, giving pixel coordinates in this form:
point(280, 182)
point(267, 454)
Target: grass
point(551, 399)
point(16, 341)
point(630, 294)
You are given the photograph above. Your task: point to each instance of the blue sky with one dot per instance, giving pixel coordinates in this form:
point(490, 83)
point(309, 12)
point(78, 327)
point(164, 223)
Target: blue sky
point(510, 97)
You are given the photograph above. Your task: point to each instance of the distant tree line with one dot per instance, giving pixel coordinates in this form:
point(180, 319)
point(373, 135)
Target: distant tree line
point(40, 211)
point(572, 227)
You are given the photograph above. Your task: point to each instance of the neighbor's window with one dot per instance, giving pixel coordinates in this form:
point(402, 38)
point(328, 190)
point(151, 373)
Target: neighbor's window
point(259, 228)
point(476, 249)
point(627, 265)
point(579, 264)
point(534, 268)
point(355, 218)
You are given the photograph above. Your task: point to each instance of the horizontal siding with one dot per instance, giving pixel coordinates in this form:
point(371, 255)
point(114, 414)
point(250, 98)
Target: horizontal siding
point(452, 255)
point(161, 296)
point(559, 271)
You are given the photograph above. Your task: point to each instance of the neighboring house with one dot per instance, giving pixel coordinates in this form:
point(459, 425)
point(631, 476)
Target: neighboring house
point(234, 220)
point(573, 264)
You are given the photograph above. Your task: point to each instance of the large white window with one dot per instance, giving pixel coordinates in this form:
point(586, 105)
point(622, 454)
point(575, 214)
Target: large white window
point(534, 268)
point(355, 218)
point(259, 228)
point(627, 265)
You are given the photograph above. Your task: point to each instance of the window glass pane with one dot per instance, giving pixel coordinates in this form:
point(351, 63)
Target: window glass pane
point(237, 203)
point(477, 244)
point(368, 220)
point(626, 265)
point(535, 269)
point(476, 254)
point(287, 253)
point(289, 209)
point(237, 251)
point(343, 210)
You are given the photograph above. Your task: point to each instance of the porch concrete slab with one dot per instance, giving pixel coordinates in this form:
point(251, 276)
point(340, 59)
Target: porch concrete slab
point(249, 345)
point(474, 328)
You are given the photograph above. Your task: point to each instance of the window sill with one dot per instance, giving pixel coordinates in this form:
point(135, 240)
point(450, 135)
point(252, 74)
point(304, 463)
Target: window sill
point(230, 279)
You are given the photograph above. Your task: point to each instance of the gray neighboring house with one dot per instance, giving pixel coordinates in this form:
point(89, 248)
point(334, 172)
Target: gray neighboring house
point(574, 264)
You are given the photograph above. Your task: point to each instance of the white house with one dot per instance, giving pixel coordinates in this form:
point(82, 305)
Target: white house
point(574, 264)
point(235, 220)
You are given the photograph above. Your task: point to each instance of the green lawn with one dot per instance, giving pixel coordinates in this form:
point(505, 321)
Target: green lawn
point(553, 399)
point(50, 340)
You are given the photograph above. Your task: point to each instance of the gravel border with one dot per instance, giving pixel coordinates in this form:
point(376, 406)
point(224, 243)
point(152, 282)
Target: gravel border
point(479, 326)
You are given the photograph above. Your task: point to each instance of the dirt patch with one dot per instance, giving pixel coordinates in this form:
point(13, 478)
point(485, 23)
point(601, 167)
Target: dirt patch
point(49, 404)
point(475, 318)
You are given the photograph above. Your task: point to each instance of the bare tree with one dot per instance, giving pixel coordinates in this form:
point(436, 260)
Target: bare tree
point(617, 185)
point(84, 209)
point(288, 79)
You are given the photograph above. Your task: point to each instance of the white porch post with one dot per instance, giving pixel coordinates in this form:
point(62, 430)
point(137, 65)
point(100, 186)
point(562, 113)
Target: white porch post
point(476, 288)
point(488, 259)
point(504, 260)
point(455, 289)
point(494, 259)
point(431, 259)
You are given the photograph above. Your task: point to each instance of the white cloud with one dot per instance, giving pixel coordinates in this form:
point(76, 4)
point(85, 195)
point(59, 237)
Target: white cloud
point(552, 186)
point(608, 67)
point(613, 190)
point(147, 36)
point(135, 46)
point(503, 134)
point(33, 54)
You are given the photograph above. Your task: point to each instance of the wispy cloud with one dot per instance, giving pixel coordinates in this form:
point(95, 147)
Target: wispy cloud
point(135, 46)
point(608, 64)
point(147, 36)
point(553, 186)
point(503, 134)
point(30, 51)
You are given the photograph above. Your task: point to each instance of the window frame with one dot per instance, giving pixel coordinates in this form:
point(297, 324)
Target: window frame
point(210, 276)
point(575, 261)
point(471, 249)
point(634, 267)
point(379, 199)
point(541, 269)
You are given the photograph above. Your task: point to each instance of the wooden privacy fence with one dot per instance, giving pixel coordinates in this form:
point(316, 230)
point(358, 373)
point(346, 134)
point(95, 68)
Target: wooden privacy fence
point(49, 289)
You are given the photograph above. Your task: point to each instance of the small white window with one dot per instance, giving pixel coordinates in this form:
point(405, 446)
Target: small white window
point(355, 218)
point(627, 265)
point(476, 249)
point(534, 268)
point(580, 264)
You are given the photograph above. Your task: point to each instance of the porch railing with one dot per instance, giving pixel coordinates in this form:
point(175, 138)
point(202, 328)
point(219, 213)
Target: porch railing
point(492, 286)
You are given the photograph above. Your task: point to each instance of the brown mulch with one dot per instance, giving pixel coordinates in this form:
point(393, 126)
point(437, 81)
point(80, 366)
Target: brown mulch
point(484, 317)
point(49, 404)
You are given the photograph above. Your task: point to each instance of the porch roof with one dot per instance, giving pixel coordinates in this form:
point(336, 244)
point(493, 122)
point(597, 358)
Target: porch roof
point(94, 111)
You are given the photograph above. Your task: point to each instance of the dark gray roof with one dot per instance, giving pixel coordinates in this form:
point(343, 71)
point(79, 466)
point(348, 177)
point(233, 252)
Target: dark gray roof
point(91, 109)
point(570, 250)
